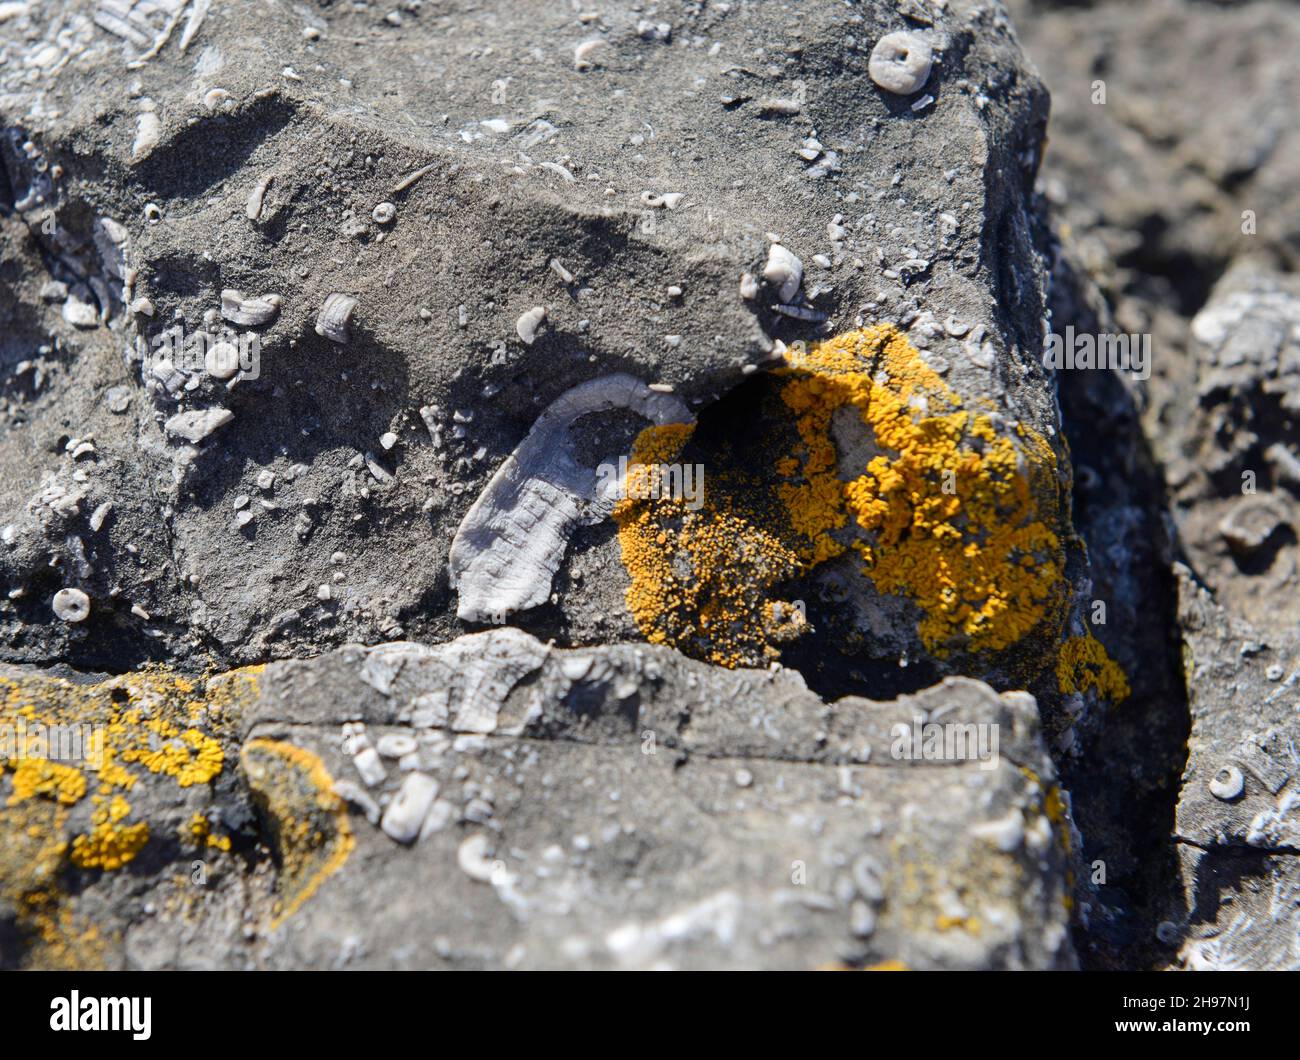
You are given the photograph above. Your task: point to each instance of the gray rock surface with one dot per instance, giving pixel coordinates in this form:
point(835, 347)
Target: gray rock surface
point(282, 288)
point(451, 172)
point(1239, 813)
point(607, 807)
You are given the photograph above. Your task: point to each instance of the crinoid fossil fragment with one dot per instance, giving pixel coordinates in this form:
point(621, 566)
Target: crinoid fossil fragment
point(249, 311)
point(900, 63)
point(513, 539)
point(335, 319)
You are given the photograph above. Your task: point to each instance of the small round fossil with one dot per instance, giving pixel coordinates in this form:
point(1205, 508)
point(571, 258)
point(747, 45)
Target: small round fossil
point(222, 360)
point(1227, 783)
point(900, 63)
point(384, 213)
point(71, 605)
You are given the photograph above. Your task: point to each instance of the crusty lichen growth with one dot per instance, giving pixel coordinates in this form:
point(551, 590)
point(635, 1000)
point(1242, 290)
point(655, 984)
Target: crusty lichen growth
point(307, 821)
point(64, 816)
point(1083, 665)
point(948, 508)
point(198, 831)
point(54, 780)
point(111, 842)
point(702, 581)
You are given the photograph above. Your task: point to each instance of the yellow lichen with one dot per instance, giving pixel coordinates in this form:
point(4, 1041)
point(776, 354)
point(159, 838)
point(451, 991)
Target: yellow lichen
point(149, 722)
point(54, 780)
point(198, 831)
point(701, 580)
point(946, 508)
point(949, 506)
point(307, 821)
point(189, 756)
point(110, 844)
point(1083, 664)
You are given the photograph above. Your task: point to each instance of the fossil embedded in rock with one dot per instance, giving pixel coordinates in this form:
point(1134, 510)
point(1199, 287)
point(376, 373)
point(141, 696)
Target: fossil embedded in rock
point(249, 311)
point(900, 63)
point(1227, 783)
point(406, 812)
point(335, 318)
point(195, 426)
point(512, 541)
point(530, 323)
point(71, 605)
point(784, 271)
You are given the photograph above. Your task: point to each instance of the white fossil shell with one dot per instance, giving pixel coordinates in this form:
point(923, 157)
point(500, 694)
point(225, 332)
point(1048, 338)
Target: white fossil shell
point(335, 318)
point(249, 311)
point(512, 541)
point(110, 240)
point(582, 54)
point(71, 605)
point(783, 270)
point(369, 766)
point(222, 360)
point(900, 62)
point(1227, 783)
point(396, 745)
point(474, 856)
point(148, 130)
point(530, 323)
point(195, 426)
point(406, 812)
point(256, 198)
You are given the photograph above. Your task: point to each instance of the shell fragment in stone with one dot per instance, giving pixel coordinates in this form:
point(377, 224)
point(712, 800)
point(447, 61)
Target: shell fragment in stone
point(513, 539)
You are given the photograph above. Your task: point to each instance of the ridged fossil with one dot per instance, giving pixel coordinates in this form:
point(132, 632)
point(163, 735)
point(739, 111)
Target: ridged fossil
point(334, 321)
point(512, 541)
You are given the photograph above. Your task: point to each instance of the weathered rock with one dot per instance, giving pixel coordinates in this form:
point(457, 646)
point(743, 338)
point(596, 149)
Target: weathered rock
point(1239, 812)
point(1237, 502)
point(625, 808)
point(585, 189)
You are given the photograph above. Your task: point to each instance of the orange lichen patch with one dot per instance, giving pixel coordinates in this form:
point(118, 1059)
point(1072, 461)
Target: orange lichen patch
point(198, 831)
point(53, 780)
point(945, 506)
point(891, 965)
point(111, 843)
point(307, 821)
point(1083, 664)
point(969, 924)
point(701, 580)
point(189, 756)
point(121, 730)
point(949, 505)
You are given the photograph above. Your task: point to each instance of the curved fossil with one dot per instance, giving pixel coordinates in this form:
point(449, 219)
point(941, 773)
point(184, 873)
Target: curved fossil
point(512, 541)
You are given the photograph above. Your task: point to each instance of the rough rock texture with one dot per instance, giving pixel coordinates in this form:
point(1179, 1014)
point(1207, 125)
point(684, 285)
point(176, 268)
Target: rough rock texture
point(1239, 815)
point(605, 807)
point(1175, 203)
point(282, 288)
point(1236, 506)
point(512, 153)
